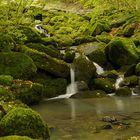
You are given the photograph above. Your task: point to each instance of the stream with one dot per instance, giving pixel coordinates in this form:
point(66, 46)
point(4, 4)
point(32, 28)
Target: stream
point(81, 119)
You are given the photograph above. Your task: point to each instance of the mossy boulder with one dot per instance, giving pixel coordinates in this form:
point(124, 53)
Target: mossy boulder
point(110, 74)
point(98, 27)
point(6, 94)
point(6, 43)
point(52, 86)
point(69, 56)
point(49, 49)
point(6, 80)
point(84, 69)
point(16, 64)
point(98, 54)
point(24, 122)
point(89, 94)
point(14, 137)
point(129, 70)
point(122, 51)
point(45, 62)
point(130, 81)
point(104, 37)
point(123, 91)
point(105, 84)
point(137, 69)
point(27, 92)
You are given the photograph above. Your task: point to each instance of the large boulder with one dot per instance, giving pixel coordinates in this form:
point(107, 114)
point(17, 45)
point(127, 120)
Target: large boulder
point(24, 122)
point(98, 54)
point(45, 62)
point(105, 84)
point(84, 69)
point(122, 51)
point(123, 91)
point(17, 65)
point(52, 86)
point(27, 92)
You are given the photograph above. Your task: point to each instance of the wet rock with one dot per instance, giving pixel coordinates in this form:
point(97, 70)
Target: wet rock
point(105, 84)
point(69, 56)
point(118, 46)
point(107, 126)
point(123, 91)
point(110, 119)
point(84, 69)
point(82, 85)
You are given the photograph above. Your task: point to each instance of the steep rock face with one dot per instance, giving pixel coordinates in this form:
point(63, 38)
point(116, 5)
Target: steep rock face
point(45, 62)
point(17, 65)
point(122, 51)
point(84, 69)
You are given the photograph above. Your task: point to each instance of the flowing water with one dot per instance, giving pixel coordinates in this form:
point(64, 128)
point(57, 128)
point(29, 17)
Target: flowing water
point(118, 81)
point(99, 69)
point(74, 119)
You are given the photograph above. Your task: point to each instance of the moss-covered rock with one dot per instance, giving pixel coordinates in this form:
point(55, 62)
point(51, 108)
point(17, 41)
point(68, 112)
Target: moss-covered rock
point(69, 56)
point(90, 94)
point(105, 84)
point(123, 91)
point(27, 92)
point(14, 137)
point(136, 38)
point(52, 86)
point(104, 37)
point(6, 43)
point(24, 122)
point(17, 65)
point(110, 74)
point(130, 81)
point(49, 49)
point(98, 28)
point(98, 54)
point(84, 69)
point(45, 62)
point(129, 70)
point(137, 69)
point(6, 80)
point(122, 51)
point(6, 94)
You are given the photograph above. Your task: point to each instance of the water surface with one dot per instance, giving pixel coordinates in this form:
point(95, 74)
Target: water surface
point(81, 119)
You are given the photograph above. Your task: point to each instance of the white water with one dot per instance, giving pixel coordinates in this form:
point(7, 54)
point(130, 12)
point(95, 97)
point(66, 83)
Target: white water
point(118, 81)
point(71, 88)
point(99, 69)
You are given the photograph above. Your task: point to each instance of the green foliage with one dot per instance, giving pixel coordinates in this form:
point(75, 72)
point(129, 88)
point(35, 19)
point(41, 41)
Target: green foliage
point(6, 80)
point(14, 137)
point(24, 122)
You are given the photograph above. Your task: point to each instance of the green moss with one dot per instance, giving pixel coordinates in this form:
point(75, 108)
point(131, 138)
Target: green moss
point(130, 81)
point(6, 94)
point(69, 56)
point(104, 38)
point(122, 51)
point(24, 122)
point(51, 86)
point(98, 54)
point(16, 138)
point(6, 80)
point(129, 30)
point(50, 50)
point(6, 43)
point(110, 74)
point(27, 92)
point(43, 61)
point(136, 38)
point(90, 94)
point(84, 69)
point(137, 69)
point(17, 65)
point(105, 84)
point(123, 91)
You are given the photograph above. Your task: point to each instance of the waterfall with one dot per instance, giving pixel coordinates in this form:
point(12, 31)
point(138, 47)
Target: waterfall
point(118, 81)
point(99, 69)
point(71, 88)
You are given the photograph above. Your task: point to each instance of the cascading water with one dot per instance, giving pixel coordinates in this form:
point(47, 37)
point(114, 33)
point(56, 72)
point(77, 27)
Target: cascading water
point(99, 69)
point(71, 88)
point(118, 81)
